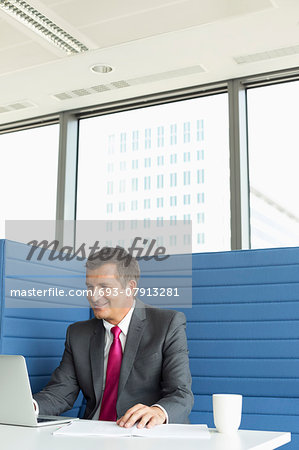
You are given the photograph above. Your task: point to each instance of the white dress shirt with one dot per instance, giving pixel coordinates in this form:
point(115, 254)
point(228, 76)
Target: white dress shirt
point(124, 326)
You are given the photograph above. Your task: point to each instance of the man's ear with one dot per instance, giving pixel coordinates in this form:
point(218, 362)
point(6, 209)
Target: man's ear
point(132, 284)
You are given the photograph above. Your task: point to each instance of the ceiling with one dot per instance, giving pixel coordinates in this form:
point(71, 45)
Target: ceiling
point(167, 45)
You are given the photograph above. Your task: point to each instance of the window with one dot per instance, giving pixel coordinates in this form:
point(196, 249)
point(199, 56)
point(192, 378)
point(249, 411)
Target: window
point(200, 238)
point(200, 217)
point(173, 158)
point(200, 197)
point(166, 167)
point(200, 155)
point(273, 165)
point(123, 142)
point(147, 203)
point(160, 141)
point(160, 222)
point(187, 199)
point(200, 176)
point(147, 183)
point(160, 202)
point(200, 130)
point(121, 206)
point(187, 239)
point(187, 177)
point(110, 187)
point(111, 144)
point(187, 218)
point(173, 134)
point(135, 140)
point(134, 205)
point(186, 156)
point(147, 162)
point(173, 200)
point(173, 179)
point(160, 160)
point(110, 167)
point(160, 181)
point(122, 185)
point(28, 174)
point(172, 240)
point(109, 207)
point(147, 138)
point(134, 184)
point(186, 132)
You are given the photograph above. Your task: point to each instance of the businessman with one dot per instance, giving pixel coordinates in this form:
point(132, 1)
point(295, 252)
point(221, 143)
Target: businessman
point(130, 360)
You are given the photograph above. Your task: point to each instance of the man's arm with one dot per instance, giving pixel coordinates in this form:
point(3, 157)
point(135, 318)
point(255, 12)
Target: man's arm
point(177, 398)
point(62, 390)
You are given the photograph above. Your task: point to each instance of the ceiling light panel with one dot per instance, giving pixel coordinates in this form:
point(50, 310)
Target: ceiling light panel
point(42, 25)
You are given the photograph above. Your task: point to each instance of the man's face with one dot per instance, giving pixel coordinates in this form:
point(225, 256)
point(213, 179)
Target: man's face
point(108, 300)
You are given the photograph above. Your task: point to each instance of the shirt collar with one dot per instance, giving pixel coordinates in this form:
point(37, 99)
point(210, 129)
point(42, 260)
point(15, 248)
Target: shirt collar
point(123, 324)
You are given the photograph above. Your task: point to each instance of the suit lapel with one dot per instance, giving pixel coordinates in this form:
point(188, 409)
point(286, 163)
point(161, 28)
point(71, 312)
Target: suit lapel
point(134, 336)
point(97, 345)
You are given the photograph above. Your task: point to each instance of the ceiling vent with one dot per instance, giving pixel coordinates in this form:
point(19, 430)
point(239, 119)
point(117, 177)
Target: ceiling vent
point(16, 106)
point(271, 54)
point(120, 84)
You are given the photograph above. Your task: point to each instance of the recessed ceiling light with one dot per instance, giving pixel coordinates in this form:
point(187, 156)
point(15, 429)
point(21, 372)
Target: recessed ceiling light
point(101, 68)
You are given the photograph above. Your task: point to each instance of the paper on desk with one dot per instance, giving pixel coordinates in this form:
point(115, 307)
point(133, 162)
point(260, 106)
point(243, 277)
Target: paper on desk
point(110, 429)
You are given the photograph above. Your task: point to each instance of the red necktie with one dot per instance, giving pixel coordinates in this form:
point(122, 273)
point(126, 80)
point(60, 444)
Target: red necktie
point(108, 407)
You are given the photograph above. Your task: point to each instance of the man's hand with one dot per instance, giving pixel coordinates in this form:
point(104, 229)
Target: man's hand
point(148, 416)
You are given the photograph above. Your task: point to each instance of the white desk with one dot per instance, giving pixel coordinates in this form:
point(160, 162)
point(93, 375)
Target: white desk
point(16, 438)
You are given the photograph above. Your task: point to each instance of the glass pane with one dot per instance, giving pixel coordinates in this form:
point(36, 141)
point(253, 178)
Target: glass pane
point(273, 113)
point(28, 174)
point(166, 162)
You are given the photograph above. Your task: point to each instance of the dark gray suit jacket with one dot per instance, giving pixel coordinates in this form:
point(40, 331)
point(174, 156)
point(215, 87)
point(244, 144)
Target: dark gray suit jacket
point(155, 366)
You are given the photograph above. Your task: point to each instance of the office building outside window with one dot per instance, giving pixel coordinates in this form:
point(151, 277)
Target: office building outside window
point(178, 144)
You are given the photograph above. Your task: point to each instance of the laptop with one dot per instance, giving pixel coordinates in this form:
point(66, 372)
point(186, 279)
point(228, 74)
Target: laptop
point(16, 406)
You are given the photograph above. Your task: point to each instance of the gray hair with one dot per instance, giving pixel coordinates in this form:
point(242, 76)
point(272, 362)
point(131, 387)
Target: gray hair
point(127, 266)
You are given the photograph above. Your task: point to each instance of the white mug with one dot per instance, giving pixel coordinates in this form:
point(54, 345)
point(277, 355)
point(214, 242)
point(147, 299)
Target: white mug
point(227, 411)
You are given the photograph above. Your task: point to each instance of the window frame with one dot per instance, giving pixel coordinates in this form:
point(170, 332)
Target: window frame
point(238, 148)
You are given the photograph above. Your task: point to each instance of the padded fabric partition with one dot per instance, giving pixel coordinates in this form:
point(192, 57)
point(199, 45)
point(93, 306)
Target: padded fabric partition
point(243, 336)
point(38, 333)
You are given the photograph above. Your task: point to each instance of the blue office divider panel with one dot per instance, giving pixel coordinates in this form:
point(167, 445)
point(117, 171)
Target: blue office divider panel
point(2, 243)
point(243, 336)
point(36, 327)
